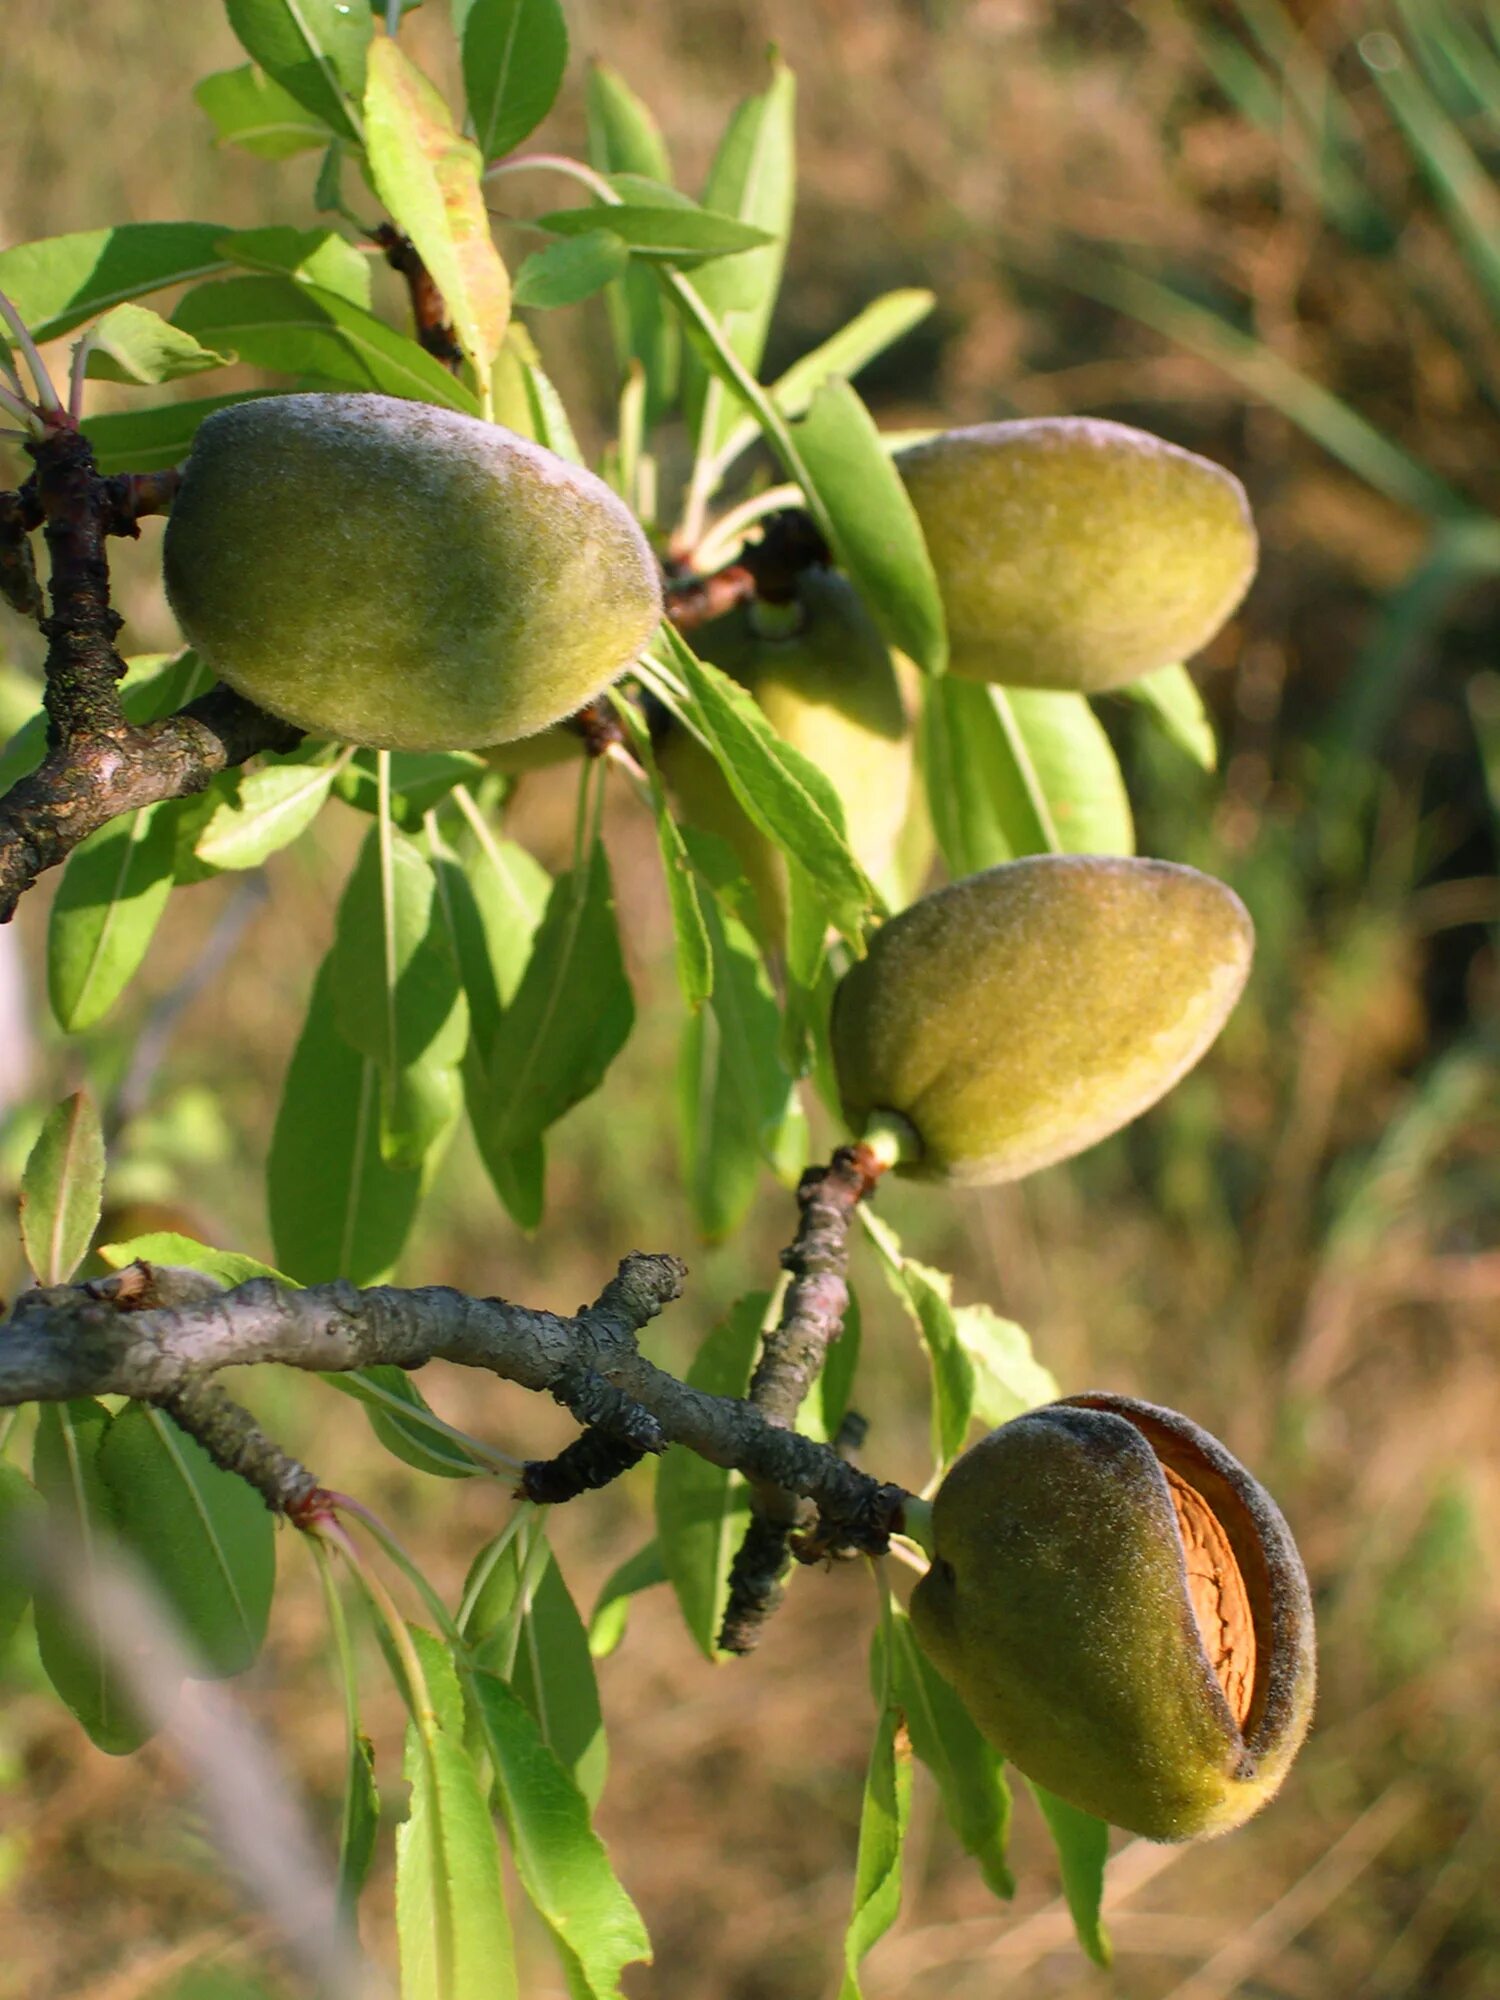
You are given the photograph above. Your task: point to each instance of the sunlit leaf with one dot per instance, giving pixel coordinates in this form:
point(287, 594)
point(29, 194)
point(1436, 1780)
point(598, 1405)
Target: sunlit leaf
point(62, 1189)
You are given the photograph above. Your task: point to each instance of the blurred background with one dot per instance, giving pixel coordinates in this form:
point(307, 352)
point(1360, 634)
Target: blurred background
point(1270, 232)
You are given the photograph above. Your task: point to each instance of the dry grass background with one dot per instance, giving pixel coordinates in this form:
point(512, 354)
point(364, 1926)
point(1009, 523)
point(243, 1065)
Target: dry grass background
point(1302, 1247)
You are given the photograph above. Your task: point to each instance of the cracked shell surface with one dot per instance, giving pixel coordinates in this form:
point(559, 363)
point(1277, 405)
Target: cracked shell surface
point(1072, 552)
point(400, 576)
point(1020, 1015)
point(1075, 1621)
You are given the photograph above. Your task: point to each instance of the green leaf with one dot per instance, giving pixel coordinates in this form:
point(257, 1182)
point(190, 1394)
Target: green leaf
point(62, 1190)
point(77, 1655)
point(360, 1821)
point(163, 1246)
point(786, 796)
point(701, 1509)
point(878, 539)
point(451, 1922)
point(265, 811)
point(623, 138)
point(1008, 1378)
point(152, 440)
point(753, 177)
point(337, 1210)
point(1171, 697)
point(134, 344)
point(526, 1628)
point(883, 1818)
point(514, 56)
point(566, 273)
point(493, 903)
point(1082, 1849)
point(315, 49)
point(388, 1393)
point(397, 996)
point(313, 256)
point(420, 779)
point(673, 233)
point(695, 973)
point(969, 1774)
point(845, 353)
point(299, 329)
point(204, 1536)
point(561, 1861)
point(642, 1571)
point(1013, 771)
point(928, 1298)
point(836, 1383)
point(428, 176)
point(571, 1015)
point(738, 1106)
point(113, 890)
point(250, 109)
point(20, 1516)
point(60, 281)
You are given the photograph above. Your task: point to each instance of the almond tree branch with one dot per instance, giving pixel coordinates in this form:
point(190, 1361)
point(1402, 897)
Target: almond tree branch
point(157, 1335)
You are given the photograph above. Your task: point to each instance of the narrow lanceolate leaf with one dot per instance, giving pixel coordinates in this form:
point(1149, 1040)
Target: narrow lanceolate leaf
point(878, 538)
point(315, 49)
point(250, 109)
point(1013, 771)
point(564, 274)
point(79, 1657)
point(642, 1571)
point(451, 1922)
point(1008, 1378)
point(420, 779)
point(788, 798)
point(204, 1536)
point(695, 973)
point(844, 353)
point(152, 440)
point(134, 344)
point(164, 1246)
point(60, 281)
point(20, 1516)
point(62, 1189)
point(1074, 769)
point(701, 1509)
point(492, 902)
point(313, 256)
point(883, 1819)
point(525, 1627)
point(753, 177)
point(400, 1418)
point(1171, 697)
point(623, 138)
point(561, 1861)
point(570, 1018)
point(928, 1297)
point(1082, 1850)
point(514, 55)
point(265, 811)
point(969, 1774)
point(428, 176)
point(674, 232)
point(397, 994)
point(110, 899)
point(337, 1209)
point(295, 328)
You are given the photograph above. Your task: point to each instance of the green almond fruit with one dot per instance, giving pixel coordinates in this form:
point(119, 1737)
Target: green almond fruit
point(1123, 1611)
point(400, 576)
point(825, 679)
point(1018, 1016)
point(1076, 553)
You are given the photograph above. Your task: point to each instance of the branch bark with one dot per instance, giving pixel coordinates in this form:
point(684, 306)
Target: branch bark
point(146, 1334)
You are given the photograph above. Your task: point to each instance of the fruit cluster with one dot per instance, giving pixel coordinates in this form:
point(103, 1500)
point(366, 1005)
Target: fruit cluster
point(1119, 1604)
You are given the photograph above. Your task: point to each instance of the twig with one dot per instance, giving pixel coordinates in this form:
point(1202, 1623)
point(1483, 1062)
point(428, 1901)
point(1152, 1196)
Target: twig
point(767, 570)
point(113, 1337)
point(812, 1318)
point(429, 309)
